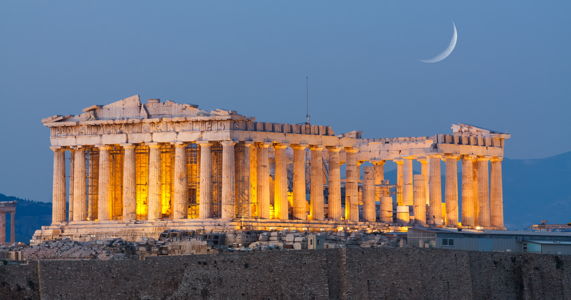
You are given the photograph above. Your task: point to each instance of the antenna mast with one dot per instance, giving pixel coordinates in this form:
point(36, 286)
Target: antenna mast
point(307, 116)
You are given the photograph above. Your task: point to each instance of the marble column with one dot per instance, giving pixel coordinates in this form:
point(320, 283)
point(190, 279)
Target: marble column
point(13, 227)
point(280, 183)
point(334, 201)
point(129, 184)
point(243, 181)
point(483, 193)
point(434, 183)
point(425, 171)
point(71, 184)
point(93, 186)
point(58, 188)
point(379, 170)
point(419, 200)
point(468, 213)
point(369, 211)
point(316, 191)
point(351, 185)
point(407, 192)
point(299, 193)
point(400, 181)
point(228, 180)
point(103, 195)
point(253, 209)
point(79, 186)
point(2, 227)
point(205, 204)
point(496, 196)
point(180, 182)
point(451, 190)
point(154, 202)
point(263, 181)
point(387, 209)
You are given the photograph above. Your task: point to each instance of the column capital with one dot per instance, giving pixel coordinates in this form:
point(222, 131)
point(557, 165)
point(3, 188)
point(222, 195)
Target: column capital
point(299, 146)
point(435, 155)
point(469, 157)
point(451, 156)
point(128, 146)
point(248, 143)
point(496, 159)
point(398, 161)
point(204, 143)
point(422, 159)
point(351, 149)
point(378, 162)
point(334, 148)
point(227, 143)
point(483, 158)
point(154, 145)
point(104, 147)
point(264, 144)
point(280, 146)
point(316, 147)
point(57, 148)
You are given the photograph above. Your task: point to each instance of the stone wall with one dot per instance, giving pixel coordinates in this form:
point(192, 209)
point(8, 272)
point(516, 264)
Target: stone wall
point(401, 273)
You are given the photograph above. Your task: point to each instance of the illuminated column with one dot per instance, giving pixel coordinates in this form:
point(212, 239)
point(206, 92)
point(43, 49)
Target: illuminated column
point(483, 193)
point(407, 193)
point(468, 213)
point(351, 185)
point(154, 204)
point(12, 227)
point(58, 189)
point(299, 194)
point(316, 191)
point(92, 186)
point(419, 200)
point(451, 190)
point(387, 209)
point(263, 181)
point(2, 227)
point(280, 183)
point(243, 193)
point(369, 210)
point(253, 199)
point(379, 170)
point(71, 184)
point(103, 197)
point(228, 180)
point(425, 172)
point(79, 186)
point(400, 181)
point(496, 197)
point(129, 184)
point(205, 205)
point(434, 183)
point(180, 182)
point(334, 206)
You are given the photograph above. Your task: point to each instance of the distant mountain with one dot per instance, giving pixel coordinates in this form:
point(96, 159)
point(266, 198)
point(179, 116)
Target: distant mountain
point(534, 190)
point(30, 215)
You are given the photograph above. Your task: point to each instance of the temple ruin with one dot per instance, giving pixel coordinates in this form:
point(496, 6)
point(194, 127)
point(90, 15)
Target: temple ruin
point(131, 169)
point(8, 207)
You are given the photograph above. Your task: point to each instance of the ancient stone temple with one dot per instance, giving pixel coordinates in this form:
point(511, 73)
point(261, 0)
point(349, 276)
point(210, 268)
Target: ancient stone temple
point(7, 208)
point(132, 169)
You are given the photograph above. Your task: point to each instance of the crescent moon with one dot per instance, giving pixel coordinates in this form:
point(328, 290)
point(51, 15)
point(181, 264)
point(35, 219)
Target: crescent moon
point(442, 56)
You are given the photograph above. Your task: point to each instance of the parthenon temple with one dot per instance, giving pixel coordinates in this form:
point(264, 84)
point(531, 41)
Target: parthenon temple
point(131, 169)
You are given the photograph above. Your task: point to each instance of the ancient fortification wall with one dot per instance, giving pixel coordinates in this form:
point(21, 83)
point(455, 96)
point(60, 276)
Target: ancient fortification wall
point(338, 273)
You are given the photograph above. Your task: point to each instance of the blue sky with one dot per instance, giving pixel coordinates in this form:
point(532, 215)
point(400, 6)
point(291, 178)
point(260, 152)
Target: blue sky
point(509, 72)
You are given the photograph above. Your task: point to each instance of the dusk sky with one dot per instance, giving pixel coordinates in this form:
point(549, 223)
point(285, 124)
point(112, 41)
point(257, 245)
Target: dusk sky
point(509, 72)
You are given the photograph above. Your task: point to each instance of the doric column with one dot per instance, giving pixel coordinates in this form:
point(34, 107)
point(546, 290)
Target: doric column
point(334, 205)
point(387, 209)
point(253, 199)
point(434, 183)
point(180, 182)
point(451, 190)
point(468, 212)
point(154, 205)
point(351, 185)
point(496, 197)
point(104, 197)
point(243, 180)
point(407, 193)
point(12, 227)
point(280, 183)
point(205, 204)
point(58, 188)
point(369, 211)
point(299, 194)
point(93, 186)
point(228, 180)
point(483, 193)
point(129, 184)
point(400, 181)
point(2, 228)
point(79, 186)
point(419, 200)
point(425, 171)
point(316, 191)
point(263, 181)
point(379, 170)
point(71, 184)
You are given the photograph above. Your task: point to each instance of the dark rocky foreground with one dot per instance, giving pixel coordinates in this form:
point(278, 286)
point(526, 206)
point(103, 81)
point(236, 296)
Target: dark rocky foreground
point(353, 273)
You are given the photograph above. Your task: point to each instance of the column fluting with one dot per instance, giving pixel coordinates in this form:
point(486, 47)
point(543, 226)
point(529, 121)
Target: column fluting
point(299, 193)
point(79, 186)
point(228, 180)
point(58, 188)
point(280, 183)
point(180, 182)
point(154, 202)
point(129, 184)
point(334, 200)
point(103, 195)
point(451, 190)
point(205, 204)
